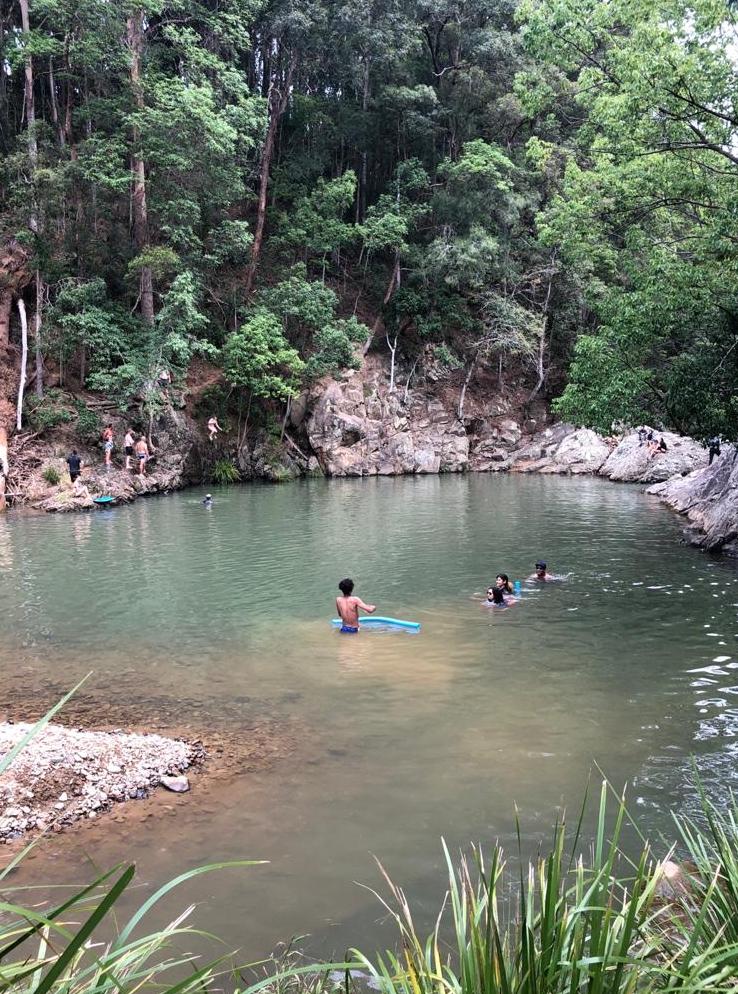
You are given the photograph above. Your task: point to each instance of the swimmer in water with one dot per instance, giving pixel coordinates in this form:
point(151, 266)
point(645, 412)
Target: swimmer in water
point(503, 582)
point(208, 500)
point(496, 597)
point(540, 573)
point(348, 608)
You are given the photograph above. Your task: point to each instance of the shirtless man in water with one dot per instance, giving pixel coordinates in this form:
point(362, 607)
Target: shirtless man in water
point(348, 607)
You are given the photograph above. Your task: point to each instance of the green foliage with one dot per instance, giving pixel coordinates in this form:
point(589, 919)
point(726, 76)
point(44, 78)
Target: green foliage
point(51, 474)
point(88, 421)
point(225, 473)
point(645, 212)
point(423, 163)
point(316, 223)
point(52, 410)
point(307, 312)
point(259, 359)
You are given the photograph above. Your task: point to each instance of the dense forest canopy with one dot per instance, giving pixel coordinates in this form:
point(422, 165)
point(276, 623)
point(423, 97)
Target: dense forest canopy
point(281, 186)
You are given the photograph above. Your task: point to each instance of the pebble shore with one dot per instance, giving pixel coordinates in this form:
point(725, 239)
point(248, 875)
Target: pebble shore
point(65, 774)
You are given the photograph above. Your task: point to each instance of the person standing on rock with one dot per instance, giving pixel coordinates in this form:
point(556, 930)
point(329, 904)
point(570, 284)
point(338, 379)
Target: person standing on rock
point(714, 447)
point(75, 465)
point(128, 445)
point(142, 454)
point(107, 437)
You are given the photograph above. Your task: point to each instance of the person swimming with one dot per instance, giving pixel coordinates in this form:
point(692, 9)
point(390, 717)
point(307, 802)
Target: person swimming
point(541, 572)
point(503, 582)
point(208, 500)
point(495, 597)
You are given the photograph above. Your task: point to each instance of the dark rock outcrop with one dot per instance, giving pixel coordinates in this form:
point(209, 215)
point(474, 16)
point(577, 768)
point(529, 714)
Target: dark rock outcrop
point(709, 499)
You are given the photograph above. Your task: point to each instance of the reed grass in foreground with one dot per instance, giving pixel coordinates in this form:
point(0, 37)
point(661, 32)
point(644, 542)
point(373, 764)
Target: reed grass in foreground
point(600, 924)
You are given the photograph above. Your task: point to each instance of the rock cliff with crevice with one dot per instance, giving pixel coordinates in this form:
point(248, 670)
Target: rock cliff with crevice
point(708, 497)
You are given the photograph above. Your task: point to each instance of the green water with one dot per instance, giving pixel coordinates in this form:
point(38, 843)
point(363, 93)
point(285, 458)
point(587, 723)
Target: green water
point(219, 618)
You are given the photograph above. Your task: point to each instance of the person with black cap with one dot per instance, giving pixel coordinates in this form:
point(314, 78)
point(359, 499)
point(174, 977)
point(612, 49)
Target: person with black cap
point(540, 573)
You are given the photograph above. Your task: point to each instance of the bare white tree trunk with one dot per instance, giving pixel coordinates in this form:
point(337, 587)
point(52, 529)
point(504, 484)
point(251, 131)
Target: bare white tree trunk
point(24, 363)
point(393, 352)
point(410, 375)
point(37, 336)
point(467, 381)
point(540, 367)
point(4, 468)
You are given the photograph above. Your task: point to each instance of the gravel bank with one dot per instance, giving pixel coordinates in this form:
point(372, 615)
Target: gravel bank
point(65, 774)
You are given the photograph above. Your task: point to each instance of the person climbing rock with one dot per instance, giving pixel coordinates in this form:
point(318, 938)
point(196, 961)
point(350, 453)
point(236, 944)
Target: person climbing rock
point(213, 427)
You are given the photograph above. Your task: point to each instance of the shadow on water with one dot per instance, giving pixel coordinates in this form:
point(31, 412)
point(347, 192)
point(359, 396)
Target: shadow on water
point(216, 623)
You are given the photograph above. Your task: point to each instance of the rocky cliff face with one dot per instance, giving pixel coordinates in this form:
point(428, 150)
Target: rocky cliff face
point(355, 427)
point(709, 499)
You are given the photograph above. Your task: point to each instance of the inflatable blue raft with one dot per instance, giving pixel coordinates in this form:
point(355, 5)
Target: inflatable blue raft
point(413, 626)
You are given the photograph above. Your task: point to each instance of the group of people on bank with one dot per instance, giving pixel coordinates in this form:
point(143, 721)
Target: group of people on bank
point(135, 448)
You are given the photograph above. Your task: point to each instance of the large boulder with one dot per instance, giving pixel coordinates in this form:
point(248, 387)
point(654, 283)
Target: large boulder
point(562, 449)
point(633, 462)
point(709, 499)
point(583, 451)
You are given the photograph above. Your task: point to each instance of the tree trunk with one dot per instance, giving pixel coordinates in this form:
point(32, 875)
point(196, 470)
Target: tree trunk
point(467, 381)
point(135, 33)
point(540, 368)
point(6, 305)
point(406, 393)
point(393, 352)
point(24, 363)
point(30, 118)
point(394, 281)
point(277, 101)
point(4, 468)
point(55, 104)
point(361, 192)
point(37, 336)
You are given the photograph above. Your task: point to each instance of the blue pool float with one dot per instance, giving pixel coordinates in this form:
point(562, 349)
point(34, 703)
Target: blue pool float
point(105, 500)
point(413, 626)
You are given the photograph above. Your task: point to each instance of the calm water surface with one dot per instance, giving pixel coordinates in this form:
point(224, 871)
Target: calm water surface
point(632, 663)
